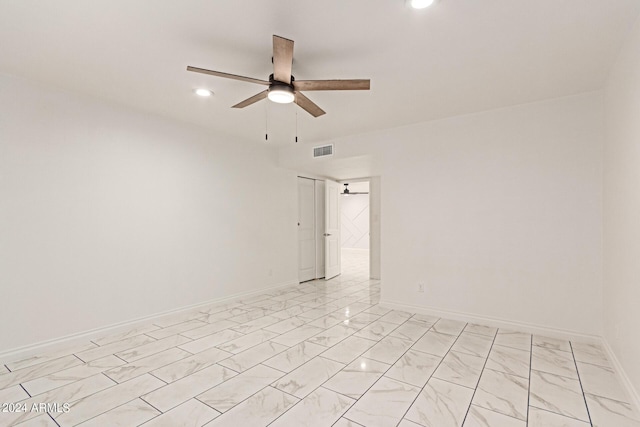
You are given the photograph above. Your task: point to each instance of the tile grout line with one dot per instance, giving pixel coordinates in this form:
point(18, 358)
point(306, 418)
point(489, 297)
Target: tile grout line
point(115, 383)
point(439, 379)
point(150, 373)
point(74, 355)
point(570, 417)
point(480, 377)
point(115, 355)
point(584, 397)
point(53, 419)
point(25, 390)
point(88, 361)
point(344, 418)
point(161, 413)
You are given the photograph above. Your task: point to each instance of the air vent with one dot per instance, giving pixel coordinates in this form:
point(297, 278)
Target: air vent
point(325, 150)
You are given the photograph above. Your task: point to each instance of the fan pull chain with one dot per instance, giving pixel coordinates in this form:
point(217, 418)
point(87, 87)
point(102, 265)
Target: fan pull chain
point(266, 122)
point(296, 126)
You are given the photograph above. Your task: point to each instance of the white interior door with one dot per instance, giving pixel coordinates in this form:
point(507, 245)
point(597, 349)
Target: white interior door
point(332, 229)
point(320, 267)
point(306, 230)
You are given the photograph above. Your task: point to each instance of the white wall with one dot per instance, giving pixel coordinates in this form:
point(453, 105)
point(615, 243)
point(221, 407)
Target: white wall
point(622, 209)
point(498, 213)
point(107, 215)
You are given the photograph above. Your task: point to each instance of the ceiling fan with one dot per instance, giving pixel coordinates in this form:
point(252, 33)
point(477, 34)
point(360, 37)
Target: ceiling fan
point(349, 192)
point(283, 87)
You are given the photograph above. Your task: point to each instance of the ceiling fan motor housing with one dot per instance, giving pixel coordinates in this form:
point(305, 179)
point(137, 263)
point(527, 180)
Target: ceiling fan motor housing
point(271, 79)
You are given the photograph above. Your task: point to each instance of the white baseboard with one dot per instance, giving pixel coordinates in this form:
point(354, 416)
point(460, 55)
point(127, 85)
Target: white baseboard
point(78, 338)
point(494, 322)
point(622, 376)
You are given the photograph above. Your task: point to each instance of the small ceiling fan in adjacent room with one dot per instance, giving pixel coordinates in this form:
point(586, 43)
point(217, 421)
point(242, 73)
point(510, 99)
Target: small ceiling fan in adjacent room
point(348, 192)
point(282, 86)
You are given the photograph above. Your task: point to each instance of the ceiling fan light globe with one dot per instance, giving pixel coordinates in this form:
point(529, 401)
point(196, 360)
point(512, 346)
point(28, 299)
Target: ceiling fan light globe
point(421, 4)
point(281, 95)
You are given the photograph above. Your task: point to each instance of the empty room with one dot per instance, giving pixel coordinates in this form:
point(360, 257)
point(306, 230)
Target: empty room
point(407, 213)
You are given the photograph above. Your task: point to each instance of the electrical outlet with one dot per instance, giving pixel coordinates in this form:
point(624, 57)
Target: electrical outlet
point(420, 287)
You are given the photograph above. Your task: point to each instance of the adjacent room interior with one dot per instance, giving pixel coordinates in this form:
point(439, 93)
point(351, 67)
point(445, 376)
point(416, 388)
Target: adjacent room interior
point(295, 213)
point(355, 218)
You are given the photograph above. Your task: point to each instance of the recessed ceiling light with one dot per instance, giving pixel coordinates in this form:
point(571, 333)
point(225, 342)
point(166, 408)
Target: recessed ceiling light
point(421, 4)
point(203, 92)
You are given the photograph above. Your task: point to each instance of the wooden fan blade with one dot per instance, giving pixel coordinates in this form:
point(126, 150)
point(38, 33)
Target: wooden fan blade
point(227, 75)
point(255, 98)
point(332, 84)
point(307, 105)
point(282, 59)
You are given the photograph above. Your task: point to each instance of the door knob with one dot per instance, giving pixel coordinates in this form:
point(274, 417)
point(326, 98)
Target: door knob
point(326, 234)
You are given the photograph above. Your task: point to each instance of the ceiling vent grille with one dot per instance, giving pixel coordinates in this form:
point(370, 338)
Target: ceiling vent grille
point(325, 150)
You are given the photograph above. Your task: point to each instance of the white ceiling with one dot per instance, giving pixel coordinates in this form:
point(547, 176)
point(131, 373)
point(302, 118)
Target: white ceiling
point(456, 57)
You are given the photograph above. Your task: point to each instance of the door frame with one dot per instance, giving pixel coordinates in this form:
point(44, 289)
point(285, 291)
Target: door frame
point(306, 230)
point(375, 206)
point(375, 218)
point(333, 241)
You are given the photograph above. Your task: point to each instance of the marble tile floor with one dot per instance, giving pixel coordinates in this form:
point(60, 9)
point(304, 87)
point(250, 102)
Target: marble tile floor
point(322, 353)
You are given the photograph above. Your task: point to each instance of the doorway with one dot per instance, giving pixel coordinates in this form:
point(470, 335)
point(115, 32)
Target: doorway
point(355, 228)
point(360, 227)
point(325, 228)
